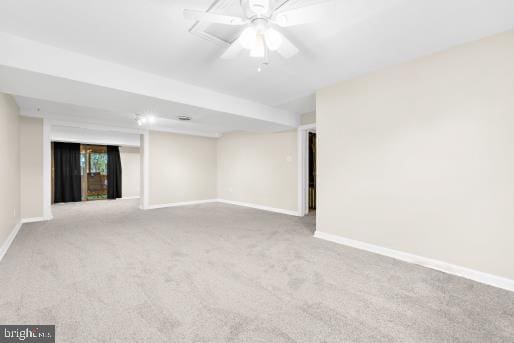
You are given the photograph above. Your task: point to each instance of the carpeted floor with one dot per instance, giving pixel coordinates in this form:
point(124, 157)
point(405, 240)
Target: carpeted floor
point(107, 272)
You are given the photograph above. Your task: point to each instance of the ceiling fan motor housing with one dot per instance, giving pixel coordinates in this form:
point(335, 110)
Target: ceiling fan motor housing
point(259, 7)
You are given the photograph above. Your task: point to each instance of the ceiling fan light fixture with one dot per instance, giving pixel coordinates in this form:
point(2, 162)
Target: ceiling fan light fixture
point(273, 39)
point(258, 17)
point(248, 38)
point(282, 19)
point(259, 50)
point(259, 7)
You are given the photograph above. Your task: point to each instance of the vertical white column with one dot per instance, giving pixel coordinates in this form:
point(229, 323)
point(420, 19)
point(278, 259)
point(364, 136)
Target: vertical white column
point(303, 168)
point(144, 201)
point(47, 170)
point(301, 172)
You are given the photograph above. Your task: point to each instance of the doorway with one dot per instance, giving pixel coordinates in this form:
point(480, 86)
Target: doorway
point(312, 173)
point(93, 172)
point(85, 172)
point(307, 171)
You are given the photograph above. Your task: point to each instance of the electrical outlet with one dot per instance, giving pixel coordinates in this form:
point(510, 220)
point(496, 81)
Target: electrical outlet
point(14, 212)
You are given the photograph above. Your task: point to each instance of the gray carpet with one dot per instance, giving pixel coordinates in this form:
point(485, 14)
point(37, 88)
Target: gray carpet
point(108, 272)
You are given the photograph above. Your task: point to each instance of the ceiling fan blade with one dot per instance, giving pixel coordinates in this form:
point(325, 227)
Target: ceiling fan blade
point(287, 49)
point(233, 50)
point(304, 15)
point(213, 18)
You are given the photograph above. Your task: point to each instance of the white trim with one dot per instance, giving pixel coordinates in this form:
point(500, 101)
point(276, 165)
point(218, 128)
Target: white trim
point(307, 127)
point(236, 203)
point(34, 220)
point(88, 126)
point(8, 241)
point(303, 167)
point(176, 204)
point(47, 170)
point(260, 207)
point(301, 172)
point(112, 128)
point(448, 268)
point(130, 198)
point(144, 201)
point(93, 142)
point(88, 133)
point(120, 129)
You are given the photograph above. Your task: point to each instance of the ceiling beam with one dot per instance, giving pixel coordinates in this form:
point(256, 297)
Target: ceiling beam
point(31, 56)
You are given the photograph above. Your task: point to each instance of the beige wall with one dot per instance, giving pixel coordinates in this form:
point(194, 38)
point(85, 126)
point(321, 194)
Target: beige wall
point(259, 169)
point(181, 168)
point(130, 167)
point(31, 167)
point(420, 157)
point(9, 166)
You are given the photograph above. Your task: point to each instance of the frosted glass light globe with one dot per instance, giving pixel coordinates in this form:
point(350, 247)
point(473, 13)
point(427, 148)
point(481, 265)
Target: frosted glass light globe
point(273, 39)
point(249, 38)
point(259, 50)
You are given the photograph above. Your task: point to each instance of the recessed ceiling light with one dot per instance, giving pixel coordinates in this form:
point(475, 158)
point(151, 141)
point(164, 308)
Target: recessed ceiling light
point(143, 119)
point(184, 118)
point(140, 119)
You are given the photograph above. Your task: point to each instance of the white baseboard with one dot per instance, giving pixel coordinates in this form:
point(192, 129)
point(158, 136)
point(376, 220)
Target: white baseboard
point(175, 204)
point(237, 203)
point(130, 198)
point(260, 207)
point(8, 241)
point(448, 268)
point(35, 220)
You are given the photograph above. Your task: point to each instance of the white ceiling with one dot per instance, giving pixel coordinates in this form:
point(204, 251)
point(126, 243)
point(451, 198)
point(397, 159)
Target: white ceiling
point(64, 86)
point(360, 36)
point(203, 123)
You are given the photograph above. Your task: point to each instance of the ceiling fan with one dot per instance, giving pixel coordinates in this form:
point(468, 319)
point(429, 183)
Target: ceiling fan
point(261, 17)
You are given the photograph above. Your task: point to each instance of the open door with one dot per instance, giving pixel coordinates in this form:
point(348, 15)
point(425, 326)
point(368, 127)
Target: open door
point(93, 163)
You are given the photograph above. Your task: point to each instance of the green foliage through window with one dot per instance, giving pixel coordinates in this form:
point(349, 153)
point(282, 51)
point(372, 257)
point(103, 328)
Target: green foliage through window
point(98, 163)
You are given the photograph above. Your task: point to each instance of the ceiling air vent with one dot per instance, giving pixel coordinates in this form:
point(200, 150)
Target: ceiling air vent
point(184, 118)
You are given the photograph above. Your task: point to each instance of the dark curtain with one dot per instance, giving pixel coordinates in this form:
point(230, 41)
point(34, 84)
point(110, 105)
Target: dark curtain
point(113, 172)
point(66, 172)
